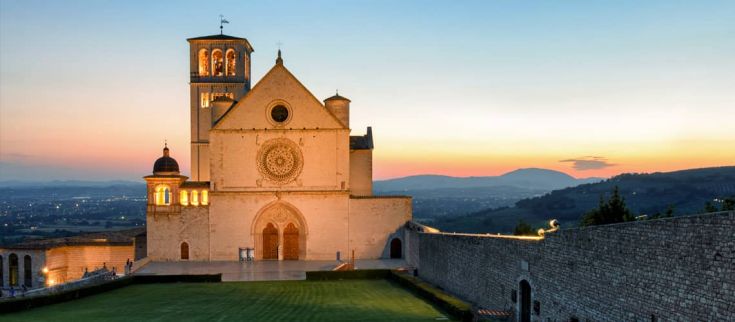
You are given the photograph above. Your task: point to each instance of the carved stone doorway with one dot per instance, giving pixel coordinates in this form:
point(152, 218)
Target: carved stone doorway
point(291, 242)
point(270, 242)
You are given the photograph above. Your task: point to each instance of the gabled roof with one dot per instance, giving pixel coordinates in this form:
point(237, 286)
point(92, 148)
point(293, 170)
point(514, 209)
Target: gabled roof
point(277, 68)
point(362, 142)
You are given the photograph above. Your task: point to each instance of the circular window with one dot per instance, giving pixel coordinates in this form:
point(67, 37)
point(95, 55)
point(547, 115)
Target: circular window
point(280, 160)
point(279, 113)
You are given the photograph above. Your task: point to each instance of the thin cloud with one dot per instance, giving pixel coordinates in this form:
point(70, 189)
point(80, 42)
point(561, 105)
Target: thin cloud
point(589, 163)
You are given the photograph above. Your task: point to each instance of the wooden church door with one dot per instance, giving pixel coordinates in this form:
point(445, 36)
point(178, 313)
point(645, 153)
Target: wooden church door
point(291, 242)
point(270, 242)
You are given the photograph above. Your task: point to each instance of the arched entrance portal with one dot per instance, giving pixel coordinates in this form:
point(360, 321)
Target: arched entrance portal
point(396, 249)
point(13, 265)
point(525, 301)
point(291, 242)
point(270, 242)
point(279, 232)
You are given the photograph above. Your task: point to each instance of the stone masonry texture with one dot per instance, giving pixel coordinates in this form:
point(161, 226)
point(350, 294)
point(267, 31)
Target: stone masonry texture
point(674, 269)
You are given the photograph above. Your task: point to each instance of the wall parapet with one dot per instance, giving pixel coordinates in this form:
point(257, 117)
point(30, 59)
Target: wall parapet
point(680, 268)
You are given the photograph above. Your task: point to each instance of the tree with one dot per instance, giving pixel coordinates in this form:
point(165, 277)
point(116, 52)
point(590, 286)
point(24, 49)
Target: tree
point(709, 207)
point(669, 212)
point(728, 204)
point(523, 229)
point(609, 212)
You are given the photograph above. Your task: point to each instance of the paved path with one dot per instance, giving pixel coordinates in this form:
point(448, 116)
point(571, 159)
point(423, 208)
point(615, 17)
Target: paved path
point(259, 270)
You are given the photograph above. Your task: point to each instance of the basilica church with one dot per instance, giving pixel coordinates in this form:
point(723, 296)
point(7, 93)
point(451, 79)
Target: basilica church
point(275, 172)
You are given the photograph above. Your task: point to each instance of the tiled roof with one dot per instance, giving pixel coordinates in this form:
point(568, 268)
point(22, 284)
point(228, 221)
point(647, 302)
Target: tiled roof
point(106, 238)
point(195, 184)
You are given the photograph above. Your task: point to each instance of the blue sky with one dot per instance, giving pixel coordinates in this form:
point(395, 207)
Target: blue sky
point(89, 89)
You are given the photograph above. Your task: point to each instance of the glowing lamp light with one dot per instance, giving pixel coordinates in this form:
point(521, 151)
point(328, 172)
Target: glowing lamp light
point(45, 270)
point(51, 282)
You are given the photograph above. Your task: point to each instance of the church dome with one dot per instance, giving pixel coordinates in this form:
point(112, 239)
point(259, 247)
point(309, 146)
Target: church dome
point(166, 164)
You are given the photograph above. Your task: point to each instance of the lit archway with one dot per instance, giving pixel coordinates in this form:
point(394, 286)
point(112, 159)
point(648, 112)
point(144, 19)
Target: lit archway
point(280, 215)
point(203, 62)
point(163, 195)
point(231, 62)
point(218, 64)
point(13, 270)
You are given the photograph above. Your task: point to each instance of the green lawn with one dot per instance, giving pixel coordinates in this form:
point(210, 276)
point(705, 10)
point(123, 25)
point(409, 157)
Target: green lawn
point(351, 300)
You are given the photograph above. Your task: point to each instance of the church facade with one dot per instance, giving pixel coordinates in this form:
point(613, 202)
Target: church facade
point(276, 173)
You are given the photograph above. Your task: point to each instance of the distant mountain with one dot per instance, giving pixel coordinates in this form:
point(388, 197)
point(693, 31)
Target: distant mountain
point(530, 178)
point(441, 196)
point(67, 183)
point(686, 191)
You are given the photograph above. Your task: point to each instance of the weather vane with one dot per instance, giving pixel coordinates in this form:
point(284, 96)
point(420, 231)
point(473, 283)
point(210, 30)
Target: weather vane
point(222, 21)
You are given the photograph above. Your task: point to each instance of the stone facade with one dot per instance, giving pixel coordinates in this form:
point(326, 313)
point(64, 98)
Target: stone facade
point(284, 177)
point(59, 260)
point(677, 269)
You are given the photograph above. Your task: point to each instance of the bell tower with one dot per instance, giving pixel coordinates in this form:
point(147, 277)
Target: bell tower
point(220, 68)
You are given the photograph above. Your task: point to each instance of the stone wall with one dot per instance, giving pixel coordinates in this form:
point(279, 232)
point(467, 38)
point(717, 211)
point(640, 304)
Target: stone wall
point(676, 269)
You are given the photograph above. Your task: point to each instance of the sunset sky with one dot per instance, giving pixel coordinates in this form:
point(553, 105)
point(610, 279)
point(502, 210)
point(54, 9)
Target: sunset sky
point(90, 89)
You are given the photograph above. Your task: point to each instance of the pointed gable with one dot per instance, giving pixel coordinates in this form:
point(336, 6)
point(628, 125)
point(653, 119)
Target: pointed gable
point(278, 87)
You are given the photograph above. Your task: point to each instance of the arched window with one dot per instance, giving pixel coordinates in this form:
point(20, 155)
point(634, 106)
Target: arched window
point(13, 273)
point(204, 98)
point(2, 273)
point(218, 64)
point(230, 59)
point(203, 62)
point(396, 249)
point(27, 271)
point(194, 198)
point(184, 198)
point(205, 197)
point(184, 250)
point(163, 195)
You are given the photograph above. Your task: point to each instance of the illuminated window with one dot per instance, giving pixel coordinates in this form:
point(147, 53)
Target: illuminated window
point(218, 65)
point(230, 59)
point(13, 265)
point(163, 195)
point(203, 62)
point(184, 198)
point(205, 197)
point(194, 198)
point(204, 98)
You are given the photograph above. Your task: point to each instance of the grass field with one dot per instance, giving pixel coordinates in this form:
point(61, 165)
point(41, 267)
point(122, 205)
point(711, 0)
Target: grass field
point(352, 300)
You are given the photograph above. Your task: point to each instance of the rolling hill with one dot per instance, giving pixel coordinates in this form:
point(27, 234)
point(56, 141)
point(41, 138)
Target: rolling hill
point(686, 191)
point(439, 196)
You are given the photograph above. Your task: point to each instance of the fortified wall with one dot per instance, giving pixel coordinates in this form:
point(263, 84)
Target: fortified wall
point(680, 269)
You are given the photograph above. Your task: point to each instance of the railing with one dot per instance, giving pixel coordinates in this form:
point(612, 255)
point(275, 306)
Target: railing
point(195, 77)
point(95, 279)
